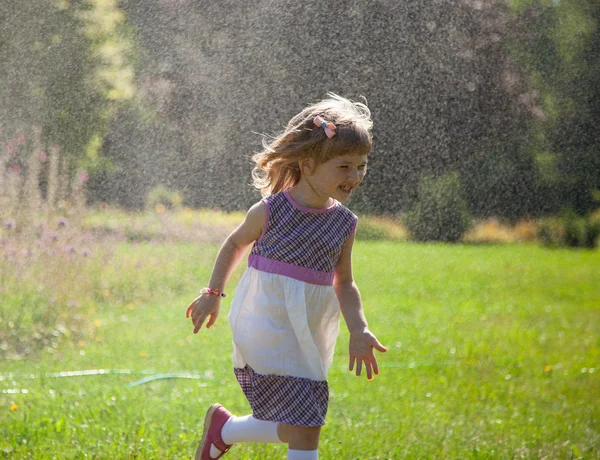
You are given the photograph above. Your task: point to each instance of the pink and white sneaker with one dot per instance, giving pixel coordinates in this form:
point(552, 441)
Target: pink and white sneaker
point(215, 419)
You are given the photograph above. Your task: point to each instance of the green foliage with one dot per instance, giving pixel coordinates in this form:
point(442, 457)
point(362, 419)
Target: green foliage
point(575, 229)
point(440, 211)
point(501, 181)
point(66, 71)
point(163, 196)
point(570, 230)
point(550, 232)
point(560, 54)
point(592, 232)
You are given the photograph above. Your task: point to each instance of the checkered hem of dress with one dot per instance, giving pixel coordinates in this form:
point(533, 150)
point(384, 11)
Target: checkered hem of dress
point(278, 398)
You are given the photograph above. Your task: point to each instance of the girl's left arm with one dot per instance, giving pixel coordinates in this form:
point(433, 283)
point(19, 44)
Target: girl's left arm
point(362, 340)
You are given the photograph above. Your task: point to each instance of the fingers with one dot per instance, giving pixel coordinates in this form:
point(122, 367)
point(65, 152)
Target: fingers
point(199, 311)
point(372, 358)
point(188, 312)
point(198, 316)
point(358, 367)
point(374, 364)
point(370, 364)
point(190, 308)
point(212, 319)
point(369, 369)
point(198, 322)
point(380, 347)
point(377, 345)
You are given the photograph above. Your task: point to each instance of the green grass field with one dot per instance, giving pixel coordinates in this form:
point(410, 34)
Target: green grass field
point(494, 352)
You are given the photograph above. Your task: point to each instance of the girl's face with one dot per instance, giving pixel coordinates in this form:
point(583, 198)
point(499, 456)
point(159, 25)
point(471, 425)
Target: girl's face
point(337, 178)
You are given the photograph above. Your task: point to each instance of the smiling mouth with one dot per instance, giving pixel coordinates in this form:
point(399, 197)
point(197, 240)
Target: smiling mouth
point(346, 189)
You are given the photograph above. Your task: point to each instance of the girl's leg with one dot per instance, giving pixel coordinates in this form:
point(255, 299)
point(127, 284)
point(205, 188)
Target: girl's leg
point(246, 429)
point(303, 441)
point(249, 429)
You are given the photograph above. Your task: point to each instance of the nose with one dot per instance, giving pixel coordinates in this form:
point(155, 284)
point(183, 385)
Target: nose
point(355, 175)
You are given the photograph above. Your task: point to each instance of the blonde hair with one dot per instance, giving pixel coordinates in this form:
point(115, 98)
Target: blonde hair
point(277, 166)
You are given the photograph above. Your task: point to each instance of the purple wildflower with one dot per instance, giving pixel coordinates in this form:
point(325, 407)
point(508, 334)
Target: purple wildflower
point(10, 224)
point(69, 250)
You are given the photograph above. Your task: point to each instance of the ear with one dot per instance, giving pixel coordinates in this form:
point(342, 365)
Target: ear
point(307, 166)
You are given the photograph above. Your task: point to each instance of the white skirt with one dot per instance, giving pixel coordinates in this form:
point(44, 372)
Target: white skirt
point(282, 326)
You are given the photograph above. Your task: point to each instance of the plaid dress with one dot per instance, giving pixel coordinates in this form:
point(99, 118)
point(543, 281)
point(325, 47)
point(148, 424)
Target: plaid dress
point(285, 315)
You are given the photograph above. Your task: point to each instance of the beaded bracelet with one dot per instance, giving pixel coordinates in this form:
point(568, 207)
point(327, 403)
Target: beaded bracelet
point(210, 291)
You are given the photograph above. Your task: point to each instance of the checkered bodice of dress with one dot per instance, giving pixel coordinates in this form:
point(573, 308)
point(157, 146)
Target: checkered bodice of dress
point(304, 243)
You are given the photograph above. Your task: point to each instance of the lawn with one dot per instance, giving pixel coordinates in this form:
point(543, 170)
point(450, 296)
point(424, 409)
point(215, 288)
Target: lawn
point(494, 352)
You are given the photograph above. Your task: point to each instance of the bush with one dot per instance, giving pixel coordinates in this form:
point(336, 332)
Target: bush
point(570, 230)
point(592, 231)
point(440, 211)
point(551, 232)
point(575, 229)
point(160, 198)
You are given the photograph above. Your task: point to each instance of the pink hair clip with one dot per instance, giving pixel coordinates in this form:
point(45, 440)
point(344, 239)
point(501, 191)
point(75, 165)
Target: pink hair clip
point(329, 127)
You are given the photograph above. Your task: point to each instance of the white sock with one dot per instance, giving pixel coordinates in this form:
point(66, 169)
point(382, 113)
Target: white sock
point(249, 429)
point(302, 454)
point(246, 429)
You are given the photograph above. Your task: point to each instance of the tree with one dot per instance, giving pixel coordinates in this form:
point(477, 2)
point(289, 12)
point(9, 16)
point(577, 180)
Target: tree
point(222, 71)
point(440, 211)
point(562, 59)
point(66, 66)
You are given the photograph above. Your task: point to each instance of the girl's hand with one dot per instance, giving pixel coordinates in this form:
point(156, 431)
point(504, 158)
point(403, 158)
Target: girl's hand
point(361, 351)
point(204, 306)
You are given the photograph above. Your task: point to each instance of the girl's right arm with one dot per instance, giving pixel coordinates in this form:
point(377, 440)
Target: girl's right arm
point(230, 254)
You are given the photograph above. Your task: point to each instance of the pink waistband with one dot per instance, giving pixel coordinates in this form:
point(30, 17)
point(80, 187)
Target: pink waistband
point(277, 267)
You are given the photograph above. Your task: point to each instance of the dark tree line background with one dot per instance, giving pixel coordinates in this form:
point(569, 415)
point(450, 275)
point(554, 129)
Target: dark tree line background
point(508, 97)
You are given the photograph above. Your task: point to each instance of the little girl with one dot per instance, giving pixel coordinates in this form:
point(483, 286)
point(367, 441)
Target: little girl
point(285, 313)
